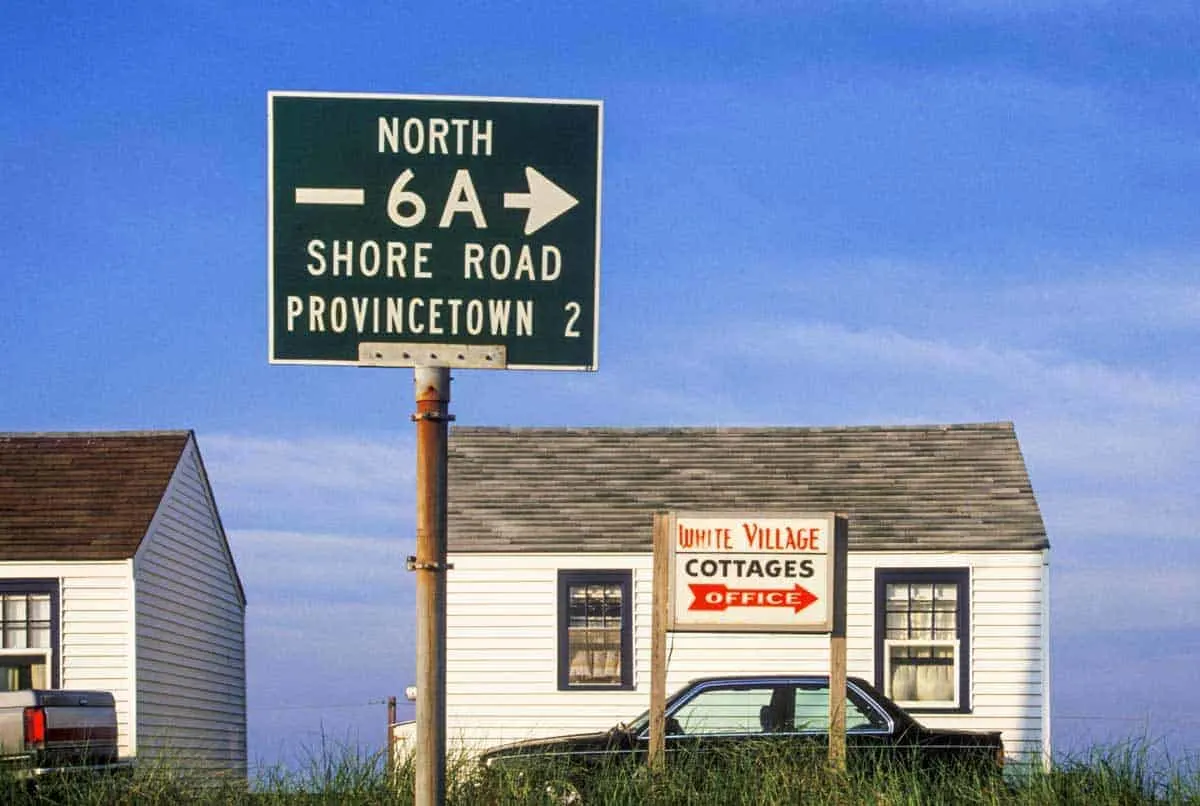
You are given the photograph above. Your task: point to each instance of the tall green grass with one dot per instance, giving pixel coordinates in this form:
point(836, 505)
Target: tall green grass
point(1128, 774)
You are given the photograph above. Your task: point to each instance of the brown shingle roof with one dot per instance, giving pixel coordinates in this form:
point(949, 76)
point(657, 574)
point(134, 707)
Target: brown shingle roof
point(944, 487)
point(82, 496)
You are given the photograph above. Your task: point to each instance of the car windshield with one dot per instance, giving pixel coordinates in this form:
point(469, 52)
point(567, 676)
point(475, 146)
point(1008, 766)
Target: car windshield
point(638, 723)
point(642, 721)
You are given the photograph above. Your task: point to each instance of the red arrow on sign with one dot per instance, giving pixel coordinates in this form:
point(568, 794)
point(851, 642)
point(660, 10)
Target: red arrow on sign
point(720, 596)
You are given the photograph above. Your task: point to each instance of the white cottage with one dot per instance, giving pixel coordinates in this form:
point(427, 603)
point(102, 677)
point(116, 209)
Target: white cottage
point(549, 597)
point(115, 574)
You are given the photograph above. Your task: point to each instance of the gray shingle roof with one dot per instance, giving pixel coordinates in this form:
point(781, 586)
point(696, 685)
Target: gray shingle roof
point(945, 487)
point(82, 496)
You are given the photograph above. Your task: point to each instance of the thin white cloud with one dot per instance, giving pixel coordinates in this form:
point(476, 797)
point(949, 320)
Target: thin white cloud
point(329, 483)
point(1082, 510)
point(1158, 450)
point(327, 462)
point(1042, 373)
point(1128, 598)
point(304, 567)
point(1136, 300)
point(1085, 308)
point(296, 627)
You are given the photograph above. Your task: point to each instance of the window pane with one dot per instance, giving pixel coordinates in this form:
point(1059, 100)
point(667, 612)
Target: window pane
point(812, 709)
point(14, 608)
point(15, 636)
point(921, 673)
point(922, 610)
point(726, 711)
point(39, 607)
point(947, 591)
point(37, 675)
point(897, 625)
point(594, 616)
point(22, 673)
point(595, 656)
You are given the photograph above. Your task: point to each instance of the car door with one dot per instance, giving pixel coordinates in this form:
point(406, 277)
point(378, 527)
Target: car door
point(727, 715)
point(869, 730)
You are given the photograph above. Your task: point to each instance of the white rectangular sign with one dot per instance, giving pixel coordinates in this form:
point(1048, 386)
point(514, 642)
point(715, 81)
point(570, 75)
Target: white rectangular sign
point(741, 572)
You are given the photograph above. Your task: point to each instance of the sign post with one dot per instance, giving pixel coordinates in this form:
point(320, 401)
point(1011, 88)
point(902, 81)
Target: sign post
point(433, 232)
point(432, 387)
point(663, 525)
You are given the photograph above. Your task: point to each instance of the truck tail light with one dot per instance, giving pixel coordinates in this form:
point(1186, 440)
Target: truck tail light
point(35, 728)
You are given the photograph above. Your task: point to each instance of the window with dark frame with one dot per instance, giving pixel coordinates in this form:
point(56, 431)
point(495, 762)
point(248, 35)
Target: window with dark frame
point(595, 630)
point(28, 634)
point(922, 637)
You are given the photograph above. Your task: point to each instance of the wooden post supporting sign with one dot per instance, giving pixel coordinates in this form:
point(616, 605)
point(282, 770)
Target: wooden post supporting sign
point(658, 639)
point(837, 651)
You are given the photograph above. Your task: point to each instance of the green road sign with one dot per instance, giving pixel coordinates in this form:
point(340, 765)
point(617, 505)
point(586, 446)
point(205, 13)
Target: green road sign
point(408, 230)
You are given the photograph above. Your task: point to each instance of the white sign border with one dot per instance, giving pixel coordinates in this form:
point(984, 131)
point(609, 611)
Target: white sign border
point(388, 96)
point(832, 558)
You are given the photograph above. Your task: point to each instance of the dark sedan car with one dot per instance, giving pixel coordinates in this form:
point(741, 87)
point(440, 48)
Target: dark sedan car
point(781, 713)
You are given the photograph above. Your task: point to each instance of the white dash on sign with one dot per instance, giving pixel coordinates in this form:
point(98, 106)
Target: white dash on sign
point(351, 196)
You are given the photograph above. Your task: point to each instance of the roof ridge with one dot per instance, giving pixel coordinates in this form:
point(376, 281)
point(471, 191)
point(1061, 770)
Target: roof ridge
point(997, 425)
point(173, 432)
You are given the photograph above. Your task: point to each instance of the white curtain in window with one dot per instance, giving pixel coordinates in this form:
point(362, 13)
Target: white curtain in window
point(921, 672)
point(595, 655)
point(22, 672)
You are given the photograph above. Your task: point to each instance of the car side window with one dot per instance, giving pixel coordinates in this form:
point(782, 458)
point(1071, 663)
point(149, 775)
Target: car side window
point(738, 710)
point(812, 711)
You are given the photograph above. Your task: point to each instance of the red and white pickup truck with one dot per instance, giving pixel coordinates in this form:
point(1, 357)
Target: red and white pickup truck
point(45, 732)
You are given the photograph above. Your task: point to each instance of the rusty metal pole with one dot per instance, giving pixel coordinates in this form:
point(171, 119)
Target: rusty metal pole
point(432, 419)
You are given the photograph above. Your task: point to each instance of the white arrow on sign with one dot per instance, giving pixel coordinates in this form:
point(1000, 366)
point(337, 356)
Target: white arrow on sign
point(545, 201)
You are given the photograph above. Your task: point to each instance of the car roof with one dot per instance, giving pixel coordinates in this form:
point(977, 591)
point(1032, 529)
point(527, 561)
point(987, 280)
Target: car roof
point(762, 678)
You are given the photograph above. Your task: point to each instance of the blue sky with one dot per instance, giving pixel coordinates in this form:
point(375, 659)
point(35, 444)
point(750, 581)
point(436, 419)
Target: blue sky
point(815, 213)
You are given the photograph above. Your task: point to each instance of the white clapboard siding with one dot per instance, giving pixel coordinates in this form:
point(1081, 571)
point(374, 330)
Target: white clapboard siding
point(502, 626)
point(191, 665)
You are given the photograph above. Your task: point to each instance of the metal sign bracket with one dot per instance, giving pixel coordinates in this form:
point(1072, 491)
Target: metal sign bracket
point(460, 356)
point(411, 564)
